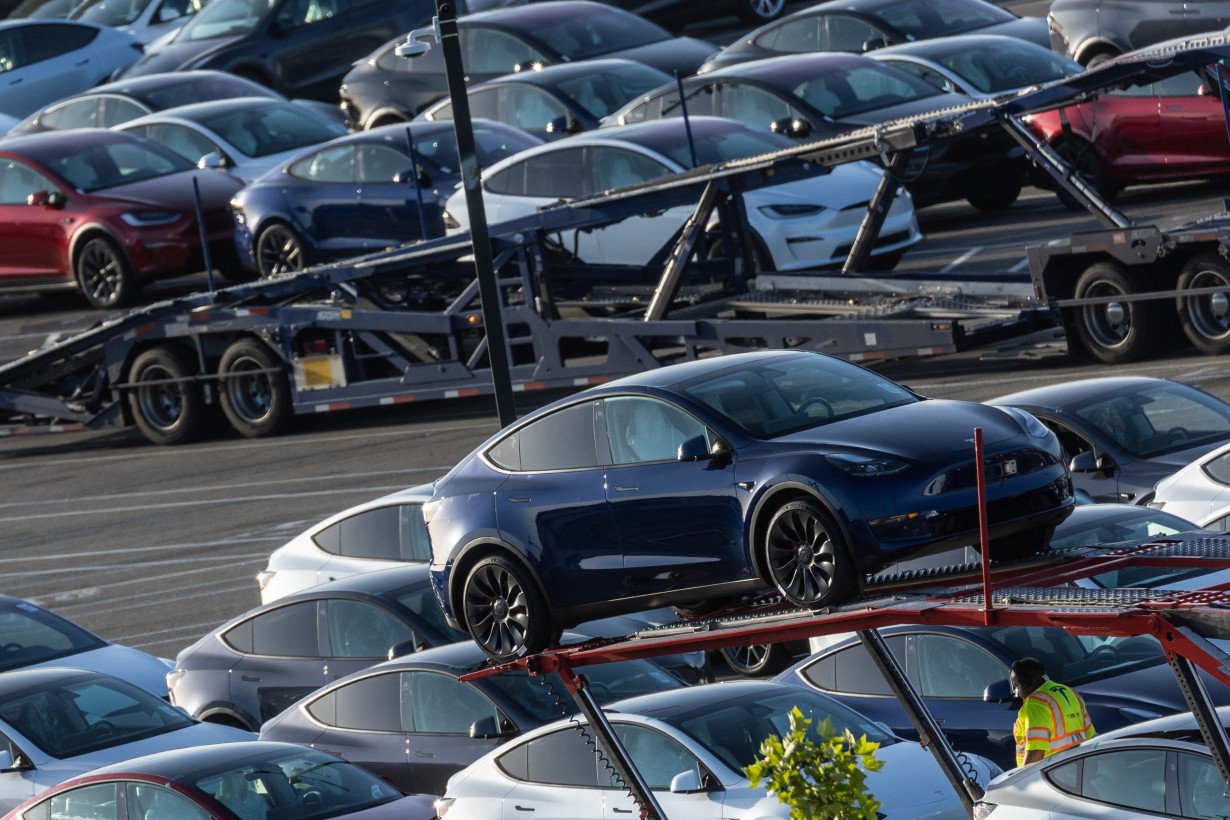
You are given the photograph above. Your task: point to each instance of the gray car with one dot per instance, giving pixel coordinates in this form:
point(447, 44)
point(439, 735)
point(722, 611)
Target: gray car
point(1091, 31)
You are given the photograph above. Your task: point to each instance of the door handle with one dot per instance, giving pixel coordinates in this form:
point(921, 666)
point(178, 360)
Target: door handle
point(424, 754)
point(519, 807)
point(621, 811)
point(1174, 108)
point(626, 489)
point(512, 499)
point(83, 62)
point(249, 678)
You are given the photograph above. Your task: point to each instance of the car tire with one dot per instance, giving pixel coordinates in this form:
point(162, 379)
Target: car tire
point(279, 250)
point(1206, 319)
point(1083, 157)
point(165, 401)
point(757, 660)
point(1099, 55)
point(1118, 331)
point(253, 389)
point(806, 557)
point(104, 274)
point(504, 611)
point(759, 11)
point(997, 197)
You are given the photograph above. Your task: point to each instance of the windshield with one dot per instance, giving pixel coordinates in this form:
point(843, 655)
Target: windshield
point(85, 713)
point(606, 92)
point(1157, 419)
point(33, 635)
point(117, 163)
point(734, 729)
point(607, 681)
point(924, 19)
point(110, 12)
point(865, 88)
point(224, 18)
point(783, 396)
point(1014, 64)
point(271, 129)
point(598, 32)
point(1076, 659)
point(714, 147)
point(305, 785)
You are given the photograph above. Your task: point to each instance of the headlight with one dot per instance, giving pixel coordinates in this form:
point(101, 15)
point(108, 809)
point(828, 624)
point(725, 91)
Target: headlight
point(1028, 422)
point(173, 678)
point(866, 465)
point(149, 219)
point(264, 577)
point(790, 211)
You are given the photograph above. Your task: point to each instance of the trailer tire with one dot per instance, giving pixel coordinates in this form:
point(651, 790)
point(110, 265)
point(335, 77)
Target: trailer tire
point(279, 250)
point(170, 413)
point(256, 402)
point(806, 557)
point(104, 274)
point(1206, 319)
point(504, 611)
point(1119, 331)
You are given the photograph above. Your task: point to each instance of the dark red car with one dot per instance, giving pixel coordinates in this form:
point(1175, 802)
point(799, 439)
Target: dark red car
point(105, 212)
point(1172, 129)
point(231, 781)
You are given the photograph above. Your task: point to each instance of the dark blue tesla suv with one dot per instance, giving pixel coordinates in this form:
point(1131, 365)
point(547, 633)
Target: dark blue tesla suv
point(696, 483)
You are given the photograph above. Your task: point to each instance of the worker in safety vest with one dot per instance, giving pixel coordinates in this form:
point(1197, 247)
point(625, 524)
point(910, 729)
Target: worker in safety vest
point(1051, 716)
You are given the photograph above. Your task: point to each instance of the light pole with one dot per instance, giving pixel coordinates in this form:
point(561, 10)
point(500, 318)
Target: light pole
point(444, 31)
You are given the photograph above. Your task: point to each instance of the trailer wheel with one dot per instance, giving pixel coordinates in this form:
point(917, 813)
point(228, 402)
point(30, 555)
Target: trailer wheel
point(166, 403)
point(1206, 319)
point(253, 388)
point(1117, 331)
point(504, 612)
point(807, 557)
point(279, 250)
point(104, 274)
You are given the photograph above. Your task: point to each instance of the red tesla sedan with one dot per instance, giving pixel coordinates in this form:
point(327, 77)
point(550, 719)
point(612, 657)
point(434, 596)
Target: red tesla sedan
point(1168, 130)
point(105, 212)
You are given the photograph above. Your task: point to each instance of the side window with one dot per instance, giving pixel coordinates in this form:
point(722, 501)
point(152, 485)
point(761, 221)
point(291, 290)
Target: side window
point(642, 430)
point(44, 42)
point(794, 36)
point(1219, 525)
point(852, 671)
point(442, 705)
point(1072, 442)
point(650, 109)
point(847, 33)
point(330, 165)
point(149, 802)
point(619, 168)
point(555, 174)
point(528, 108)
point(1219, 469)
point(115, 110)
point(415, 543)
point(516, 762)
point(75, 114)
point(362, 630)
point(1202, 791)
point(658, 757)
point(484, 103)
point(1133, 779)
point(486, 51)
point(1186, 84)
point(507, 453)
point(563, 440)
point(510, 181)
point(297, 13)
point(755, 106)
point(97, 802)
point(951, 667)
point(562, 758)
point(288, 632)
point(371, 534)
point(380, 163)
point(375, 704)
point(18, 181)
point(184, 141)
point(923, 73)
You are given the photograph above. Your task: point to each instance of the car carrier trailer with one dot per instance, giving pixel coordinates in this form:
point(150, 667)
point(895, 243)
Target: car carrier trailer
point(404, 325)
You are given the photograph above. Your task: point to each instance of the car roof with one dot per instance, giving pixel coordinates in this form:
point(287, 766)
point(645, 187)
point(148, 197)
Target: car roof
point(535, 16)
point(49, 145)
point(137, 86)
point(376, 582)
point(16, 680)
point(1064, 393)
point(789, 70)
point(175, 763)
point(690, 698)
point(551, 75)
point(670, 377)
point(942, 46)
point(201, 110)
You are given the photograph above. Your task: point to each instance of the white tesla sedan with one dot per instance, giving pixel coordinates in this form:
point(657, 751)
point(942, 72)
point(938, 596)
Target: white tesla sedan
point(805, 223)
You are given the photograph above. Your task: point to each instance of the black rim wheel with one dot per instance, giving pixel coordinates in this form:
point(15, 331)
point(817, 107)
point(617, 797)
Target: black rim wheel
point(805, 555)
point(166, 402)
point(1206, 319)
point(755, 11)
point(254, 392)
point(503, 613)
point(102, 273)
point(279, 251)
point(753, 659)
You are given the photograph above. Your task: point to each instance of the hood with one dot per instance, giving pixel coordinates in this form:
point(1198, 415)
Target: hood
point(682, 54)
point(1032, 29)
point(906, 109)
point(846, 186)
point(123, 662)
point(926, 792)
point(174, 55)
point(174, 191)
point(949, 427)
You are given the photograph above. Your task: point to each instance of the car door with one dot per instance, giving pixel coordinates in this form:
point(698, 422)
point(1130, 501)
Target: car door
point(680, 522)
point(358, 634)
point(636, 239)
point(1201, 788)
point(1125, 127)
point(98, 801)
point(951, 673)
point(850, 675)
point(46, 62)
point(281, 660)
point(32, 235)
point(1193, 127)
point(317, 41)
point(1105, 784)
point(555, 777)
point(442, 710)
point(389, 210)
point(324, 199)
point(366, 722)
point(1205, 15)
point(554, 507)
point(16, 787)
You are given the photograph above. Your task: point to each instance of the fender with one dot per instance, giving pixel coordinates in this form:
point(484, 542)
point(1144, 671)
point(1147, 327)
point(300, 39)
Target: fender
point(386, 111)
point(223, 711)
point(791, 484)
point(485, 542)
point(82, 233)
point(1093, 44)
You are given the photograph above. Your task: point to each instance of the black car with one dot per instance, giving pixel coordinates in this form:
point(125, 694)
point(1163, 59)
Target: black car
point(1090, 31)
point(387, 88)
point(558, 100)
point(411, 721)
point(118, 102)
point(862, 25)
point(811, 96)
point(1124, 434)
point(301, 48)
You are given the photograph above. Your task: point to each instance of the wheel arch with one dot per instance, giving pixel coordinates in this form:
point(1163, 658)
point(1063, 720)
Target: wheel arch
point(471, 554)
point(84, 234)
point(773, 499)
point(385, 115)
point(1095, 45)
point(226, 716)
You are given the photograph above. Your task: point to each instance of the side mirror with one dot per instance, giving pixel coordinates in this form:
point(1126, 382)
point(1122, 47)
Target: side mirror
point(12, 760)
point(564, 125)
point(166, 14)
point(791, 127)
point(1087, 462)
point(213, 160)
point(872, 43)
point(998, 692)
point(686, 783)
point(694, 449)
point(404, 648)
point(407, 177)
point(46, 199)
point(486, 728)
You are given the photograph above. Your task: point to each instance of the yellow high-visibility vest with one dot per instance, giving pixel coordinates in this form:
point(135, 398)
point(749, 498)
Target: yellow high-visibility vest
point(1051, 719)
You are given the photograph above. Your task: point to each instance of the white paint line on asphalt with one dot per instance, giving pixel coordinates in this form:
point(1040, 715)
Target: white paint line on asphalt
point(960, 260)
point(103, 606)
point(178, 599)
point(61, 557)
point(248, 499)
point(136, 565)
point(191, 629)
point(1019, 266)
point(333, 477)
